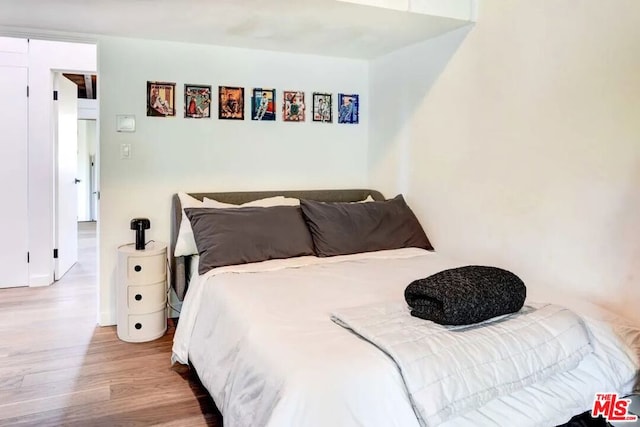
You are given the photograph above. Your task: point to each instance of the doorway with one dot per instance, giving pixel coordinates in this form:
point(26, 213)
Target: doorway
point(30, 157)
point(87, 170)
point(76, 186)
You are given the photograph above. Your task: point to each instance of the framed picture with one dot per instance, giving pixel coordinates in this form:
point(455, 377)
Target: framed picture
point(348, 108)
point(322, 107)
point(161, 99)
point(263, 104)
point(197, 101)
point(230, 103)
point(293, 106)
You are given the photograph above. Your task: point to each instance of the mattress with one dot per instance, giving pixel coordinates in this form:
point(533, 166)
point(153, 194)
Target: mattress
point(262, 342)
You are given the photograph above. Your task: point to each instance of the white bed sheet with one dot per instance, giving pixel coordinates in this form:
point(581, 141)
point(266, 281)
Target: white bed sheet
point(262, 342)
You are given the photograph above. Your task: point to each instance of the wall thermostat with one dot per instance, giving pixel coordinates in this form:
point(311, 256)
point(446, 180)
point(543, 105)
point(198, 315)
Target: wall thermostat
point(125, 123)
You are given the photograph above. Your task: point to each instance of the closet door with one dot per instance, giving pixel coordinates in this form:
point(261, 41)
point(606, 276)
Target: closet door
point(13, 163)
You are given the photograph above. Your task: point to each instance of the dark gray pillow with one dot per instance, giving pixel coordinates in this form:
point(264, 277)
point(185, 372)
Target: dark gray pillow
point(242, 235)
point(349, 228)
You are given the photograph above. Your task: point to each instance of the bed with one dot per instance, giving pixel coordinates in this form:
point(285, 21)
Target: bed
point(261, 338)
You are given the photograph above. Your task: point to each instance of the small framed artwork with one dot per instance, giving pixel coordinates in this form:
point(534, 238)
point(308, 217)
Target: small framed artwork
point(161, 99)
point(293, 106)
point(322, 107)
point(348, 108)
point(197, 101)
point(263, 104)
point(231, 103)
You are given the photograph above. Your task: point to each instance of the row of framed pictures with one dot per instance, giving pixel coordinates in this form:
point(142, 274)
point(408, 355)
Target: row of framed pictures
point(197, 103)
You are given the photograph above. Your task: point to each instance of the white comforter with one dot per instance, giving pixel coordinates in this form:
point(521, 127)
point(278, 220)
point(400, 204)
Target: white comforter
point(262, 342)
point(502, 355)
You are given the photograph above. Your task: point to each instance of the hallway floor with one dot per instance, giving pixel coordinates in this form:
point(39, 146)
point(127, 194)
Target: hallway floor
point(57, 367)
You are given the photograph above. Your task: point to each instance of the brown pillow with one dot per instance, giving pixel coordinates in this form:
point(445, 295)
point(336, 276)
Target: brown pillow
point(349, 228)
point(238, 236)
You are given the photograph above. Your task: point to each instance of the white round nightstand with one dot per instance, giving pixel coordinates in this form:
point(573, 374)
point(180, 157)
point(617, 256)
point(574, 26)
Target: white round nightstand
point(142, 292)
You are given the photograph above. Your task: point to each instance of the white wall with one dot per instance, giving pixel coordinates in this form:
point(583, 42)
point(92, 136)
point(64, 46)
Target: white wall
point(45, 56)
point(14, 222)
point(87, 109)
point(454, 9)
point(177, 154)
point(522, 150)
point(399, 83)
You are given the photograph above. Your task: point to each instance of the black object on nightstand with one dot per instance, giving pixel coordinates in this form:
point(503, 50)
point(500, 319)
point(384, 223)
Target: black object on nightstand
point(140, 224)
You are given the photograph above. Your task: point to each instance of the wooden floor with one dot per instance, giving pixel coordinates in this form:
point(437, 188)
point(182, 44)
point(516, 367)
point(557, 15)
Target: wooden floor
point(57, 367)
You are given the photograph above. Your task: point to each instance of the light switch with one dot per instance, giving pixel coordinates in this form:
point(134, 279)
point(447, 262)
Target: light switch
point(125, 151)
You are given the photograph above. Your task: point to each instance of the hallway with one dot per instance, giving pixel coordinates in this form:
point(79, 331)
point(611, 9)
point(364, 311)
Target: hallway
point(58, 367)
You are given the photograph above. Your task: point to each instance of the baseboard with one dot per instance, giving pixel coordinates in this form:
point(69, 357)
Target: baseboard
point(107, 318)
point(39, 281)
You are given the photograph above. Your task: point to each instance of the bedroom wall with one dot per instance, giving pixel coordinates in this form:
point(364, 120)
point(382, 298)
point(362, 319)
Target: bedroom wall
point(177, 154)
point(518, 144)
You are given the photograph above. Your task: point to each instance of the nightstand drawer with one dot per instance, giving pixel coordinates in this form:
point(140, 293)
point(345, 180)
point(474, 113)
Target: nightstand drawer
point(143, 270)
point(147, 298)
point(145, 327)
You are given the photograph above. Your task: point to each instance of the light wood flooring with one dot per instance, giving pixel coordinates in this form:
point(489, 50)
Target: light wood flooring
point(58, 368)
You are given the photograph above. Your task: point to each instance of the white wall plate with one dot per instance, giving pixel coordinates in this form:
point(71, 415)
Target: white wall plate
point(125, 123)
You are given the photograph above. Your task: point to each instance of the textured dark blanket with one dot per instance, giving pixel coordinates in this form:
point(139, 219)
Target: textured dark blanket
point(585, 420)
point(466, 295)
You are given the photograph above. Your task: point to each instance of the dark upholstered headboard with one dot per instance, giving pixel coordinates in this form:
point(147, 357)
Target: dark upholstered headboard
point(179, 265)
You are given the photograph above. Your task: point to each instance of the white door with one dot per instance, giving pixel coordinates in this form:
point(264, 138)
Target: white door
point(93, 194)
point(66, 244)
point(14, 270)
point(83, 171)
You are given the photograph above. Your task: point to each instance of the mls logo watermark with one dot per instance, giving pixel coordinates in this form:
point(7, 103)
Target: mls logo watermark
point(612, 408)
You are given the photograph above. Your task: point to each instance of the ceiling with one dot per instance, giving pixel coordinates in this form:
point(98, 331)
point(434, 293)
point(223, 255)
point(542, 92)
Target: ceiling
point(87, 84)
point(325, 27)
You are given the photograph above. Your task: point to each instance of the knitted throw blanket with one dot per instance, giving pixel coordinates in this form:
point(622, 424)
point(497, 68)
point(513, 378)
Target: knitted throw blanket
point(465, 295)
